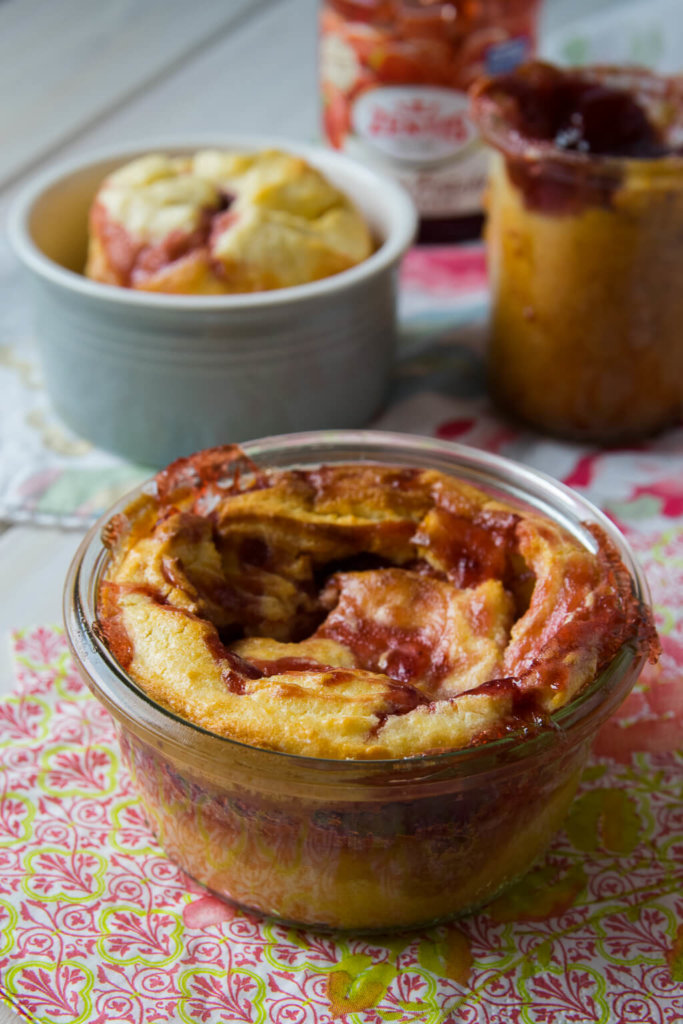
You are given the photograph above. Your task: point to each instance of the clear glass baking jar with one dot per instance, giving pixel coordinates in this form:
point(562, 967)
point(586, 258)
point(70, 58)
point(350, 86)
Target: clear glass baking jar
point(366, 845)
point(585, 254)
point(394, 76)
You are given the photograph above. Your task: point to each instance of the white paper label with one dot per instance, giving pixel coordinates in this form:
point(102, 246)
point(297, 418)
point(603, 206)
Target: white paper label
point(419, 126)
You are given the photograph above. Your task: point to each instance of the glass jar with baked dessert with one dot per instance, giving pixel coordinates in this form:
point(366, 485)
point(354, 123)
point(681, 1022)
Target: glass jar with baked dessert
point(585, 248)
point(356, 675)
point(394, 76)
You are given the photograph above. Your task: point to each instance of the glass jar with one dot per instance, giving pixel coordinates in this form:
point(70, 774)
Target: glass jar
point(394, 76)
point(585, 253)
point(355, 844)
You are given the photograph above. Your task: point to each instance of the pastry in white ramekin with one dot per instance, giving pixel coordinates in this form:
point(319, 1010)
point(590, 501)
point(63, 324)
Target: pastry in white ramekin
point(221, 222)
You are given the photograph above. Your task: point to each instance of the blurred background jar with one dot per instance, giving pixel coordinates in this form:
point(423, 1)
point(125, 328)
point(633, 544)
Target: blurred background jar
point(394, 76)
point(585, 249)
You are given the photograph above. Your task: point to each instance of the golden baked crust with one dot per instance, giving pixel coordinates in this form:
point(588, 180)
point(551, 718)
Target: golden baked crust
point(220, 222)
point(355, 611)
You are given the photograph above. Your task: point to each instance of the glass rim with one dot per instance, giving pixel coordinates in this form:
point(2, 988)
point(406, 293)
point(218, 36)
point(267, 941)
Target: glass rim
point(514, 480)
point(485, 109)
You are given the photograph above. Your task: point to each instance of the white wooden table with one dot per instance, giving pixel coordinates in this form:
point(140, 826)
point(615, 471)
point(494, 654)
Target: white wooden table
point(77, 75)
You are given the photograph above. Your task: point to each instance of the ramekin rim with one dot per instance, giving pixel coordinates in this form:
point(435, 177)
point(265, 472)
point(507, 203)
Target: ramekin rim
point(506, 745)
point(401, 235)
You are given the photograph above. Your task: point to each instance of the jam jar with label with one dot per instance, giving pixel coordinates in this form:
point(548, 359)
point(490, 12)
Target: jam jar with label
point(394, 77)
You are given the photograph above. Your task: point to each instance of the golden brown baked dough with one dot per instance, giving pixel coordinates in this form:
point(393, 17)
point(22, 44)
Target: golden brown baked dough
point(355, 611)
point(221, 222)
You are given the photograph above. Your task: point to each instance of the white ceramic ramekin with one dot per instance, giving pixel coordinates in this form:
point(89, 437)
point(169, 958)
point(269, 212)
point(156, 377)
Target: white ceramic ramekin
point(154, 376)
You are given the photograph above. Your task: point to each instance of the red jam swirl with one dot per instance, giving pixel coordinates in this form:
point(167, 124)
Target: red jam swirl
point(564, 132)
point(578, 113)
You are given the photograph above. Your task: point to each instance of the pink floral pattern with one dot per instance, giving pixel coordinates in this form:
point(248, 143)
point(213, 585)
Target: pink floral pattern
point(445, 271)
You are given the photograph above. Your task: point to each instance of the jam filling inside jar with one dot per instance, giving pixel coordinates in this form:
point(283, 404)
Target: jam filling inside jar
point(540, 115)
point(577, 113)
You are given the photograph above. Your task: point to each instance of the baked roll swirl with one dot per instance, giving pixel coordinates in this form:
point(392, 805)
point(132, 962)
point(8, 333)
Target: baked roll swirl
point(356, 611)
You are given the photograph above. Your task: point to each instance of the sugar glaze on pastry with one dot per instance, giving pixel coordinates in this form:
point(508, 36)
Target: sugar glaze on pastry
point(355, 611)
point(221, 222)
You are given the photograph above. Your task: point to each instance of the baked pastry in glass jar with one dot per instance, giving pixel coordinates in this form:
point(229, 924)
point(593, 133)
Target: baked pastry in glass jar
point(356, 694)
point(585, 219)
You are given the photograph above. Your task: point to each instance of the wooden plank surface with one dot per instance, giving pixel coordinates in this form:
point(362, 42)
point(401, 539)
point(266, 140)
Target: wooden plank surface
point(66, 63)
point(259, 78)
